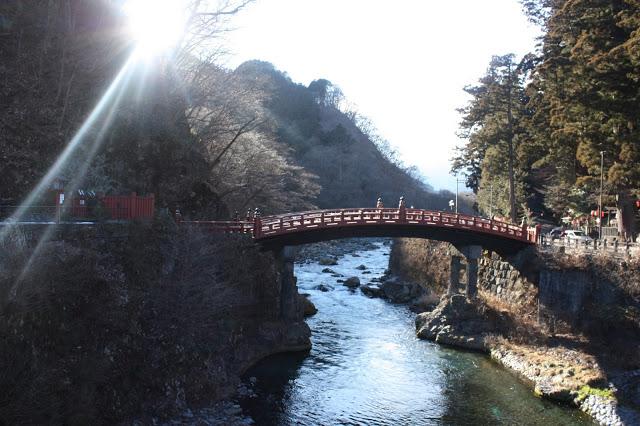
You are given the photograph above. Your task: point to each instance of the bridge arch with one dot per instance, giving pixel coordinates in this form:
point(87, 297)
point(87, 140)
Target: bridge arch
point(277, 231)
point(469, 234)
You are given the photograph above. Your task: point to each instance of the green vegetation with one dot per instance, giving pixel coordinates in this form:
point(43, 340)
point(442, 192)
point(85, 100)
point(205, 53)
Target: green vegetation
point(556, 110)
point(587, 390)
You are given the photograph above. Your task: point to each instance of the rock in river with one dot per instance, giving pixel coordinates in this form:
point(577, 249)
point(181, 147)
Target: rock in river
point(323, 287)
point(352, 282)
point(400, 292)
point(371, 290)
point(308, 307)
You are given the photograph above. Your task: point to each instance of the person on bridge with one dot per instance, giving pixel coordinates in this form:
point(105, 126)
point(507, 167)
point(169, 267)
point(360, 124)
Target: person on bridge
point(379, 204)
point(401, 203)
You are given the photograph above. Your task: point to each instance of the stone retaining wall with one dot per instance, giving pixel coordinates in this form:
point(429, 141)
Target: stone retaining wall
point(506, 282)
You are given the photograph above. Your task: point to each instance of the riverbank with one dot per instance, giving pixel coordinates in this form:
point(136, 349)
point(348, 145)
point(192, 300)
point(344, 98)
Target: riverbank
point(560, 369)
point(557, 361)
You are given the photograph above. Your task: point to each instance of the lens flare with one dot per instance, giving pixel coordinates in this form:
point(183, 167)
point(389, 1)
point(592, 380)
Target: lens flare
point(156, 25)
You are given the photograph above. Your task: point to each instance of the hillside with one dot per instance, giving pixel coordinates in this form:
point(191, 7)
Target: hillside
point(202, 138)
point(351, 170)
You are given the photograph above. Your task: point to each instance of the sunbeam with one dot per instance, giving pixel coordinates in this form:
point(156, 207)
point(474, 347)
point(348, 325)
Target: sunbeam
point(73, 186)
point(105, 101)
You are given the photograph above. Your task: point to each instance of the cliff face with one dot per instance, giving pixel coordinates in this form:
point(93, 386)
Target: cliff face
point(424, 262)
point(106, 324)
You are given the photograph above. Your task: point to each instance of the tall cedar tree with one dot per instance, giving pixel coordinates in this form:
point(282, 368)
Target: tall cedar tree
point(494, 119)
point(585, 93)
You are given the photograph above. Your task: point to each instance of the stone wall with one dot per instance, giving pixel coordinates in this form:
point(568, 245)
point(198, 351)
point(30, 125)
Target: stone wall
point(506, 280)
point(589, 294)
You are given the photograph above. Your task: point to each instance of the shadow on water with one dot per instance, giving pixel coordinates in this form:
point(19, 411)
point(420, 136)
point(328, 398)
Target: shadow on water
point(276, 375)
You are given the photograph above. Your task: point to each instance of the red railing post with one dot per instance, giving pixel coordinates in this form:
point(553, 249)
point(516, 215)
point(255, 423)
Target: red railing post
point(402, 211)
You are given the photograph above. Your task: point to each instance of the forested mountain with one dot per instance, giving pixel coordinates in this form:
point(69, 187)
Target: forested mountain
point(575, 99)
point(202, 138)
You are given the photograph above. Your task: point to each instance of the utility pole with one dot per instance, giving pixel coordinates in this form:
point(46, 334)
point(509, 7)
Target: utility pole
point(491, 202)
point(456, 194)
point(600, 203)
point(457, 182)
point(512, 191)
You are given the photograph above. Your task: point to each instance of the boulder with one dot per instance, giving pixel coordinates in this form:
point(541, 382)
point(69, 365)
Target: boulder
point(328, 271)
point(361, 267)
point(456, 321)
point(308, 308)
point(398, 291)
point(323, 287)
point(328, 261)
point(371, 290)
point(352, 282)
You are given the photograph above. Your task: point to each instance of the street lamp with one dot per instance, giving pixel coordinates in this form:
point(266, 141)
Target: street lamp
point(600, 203)
point(457, 182)
point(491, 202)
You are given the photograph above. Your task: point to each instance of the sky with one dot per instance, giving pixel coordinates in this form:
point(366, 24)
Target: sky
point(403, 63)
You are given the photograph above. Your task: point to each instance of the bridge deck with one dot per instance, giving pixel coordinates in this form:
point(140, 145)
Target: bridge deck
point(309, 226)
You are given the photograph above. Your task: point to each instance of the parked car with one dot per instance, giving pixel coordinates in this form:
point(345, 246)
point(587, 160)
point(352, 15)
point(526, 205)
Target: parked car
point(577, 235)
point(556, 233)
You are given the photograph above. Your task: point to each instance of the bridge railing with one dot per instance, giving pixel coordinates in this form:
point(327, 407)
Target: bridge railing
point(226, 226)
point(286, 223)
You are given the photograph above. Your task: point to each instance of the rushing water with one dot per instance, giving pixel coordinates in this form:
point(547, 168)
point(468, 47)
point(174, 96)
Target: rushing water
point(367, 367)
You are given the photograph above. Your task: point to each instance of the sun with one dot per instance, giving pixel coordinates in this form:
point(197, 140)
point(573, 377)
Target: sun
point(156, 25)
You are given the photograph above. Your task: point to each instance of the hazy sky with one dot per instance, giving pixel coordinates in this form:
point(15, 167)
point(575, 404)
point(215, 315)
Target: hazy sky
point(403, 63)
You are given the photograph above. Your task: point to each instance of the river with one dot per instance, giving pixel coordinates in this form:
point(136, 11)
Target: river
point(368, 368)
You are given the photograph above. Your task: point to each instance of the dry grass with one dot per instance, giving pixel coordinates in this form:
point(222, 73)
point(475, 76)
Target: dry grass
point(573, 368)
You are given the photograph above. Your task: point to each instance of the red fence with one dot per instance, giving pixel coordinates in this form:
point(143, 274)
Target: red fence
point(129, 206)
point(123, 207)
point(228, 226)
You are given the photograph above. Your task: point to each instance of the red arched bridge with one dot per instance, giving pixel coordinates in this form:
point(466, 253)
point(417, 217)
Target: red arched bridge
point(320, 225)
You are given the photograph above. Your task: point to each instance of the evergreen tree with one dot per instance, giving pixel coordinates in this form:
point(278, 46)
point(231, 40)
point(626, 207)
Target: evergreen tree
point(585, 96)
point(494, 120)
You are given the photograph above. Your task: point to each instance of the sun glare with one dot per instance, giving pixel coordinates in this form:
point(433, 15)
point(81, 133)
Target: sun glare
point(156, 25)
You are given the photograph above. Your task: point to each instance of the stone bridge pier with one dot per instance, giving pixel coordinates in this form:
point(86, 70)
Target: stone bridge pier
point(290, 308)
point(471, 253)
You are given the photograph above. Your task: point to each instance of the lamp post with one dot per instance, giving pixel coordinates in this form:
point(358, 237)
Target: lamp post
point(491, 202)
point(457, 182)
point(600, 203)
